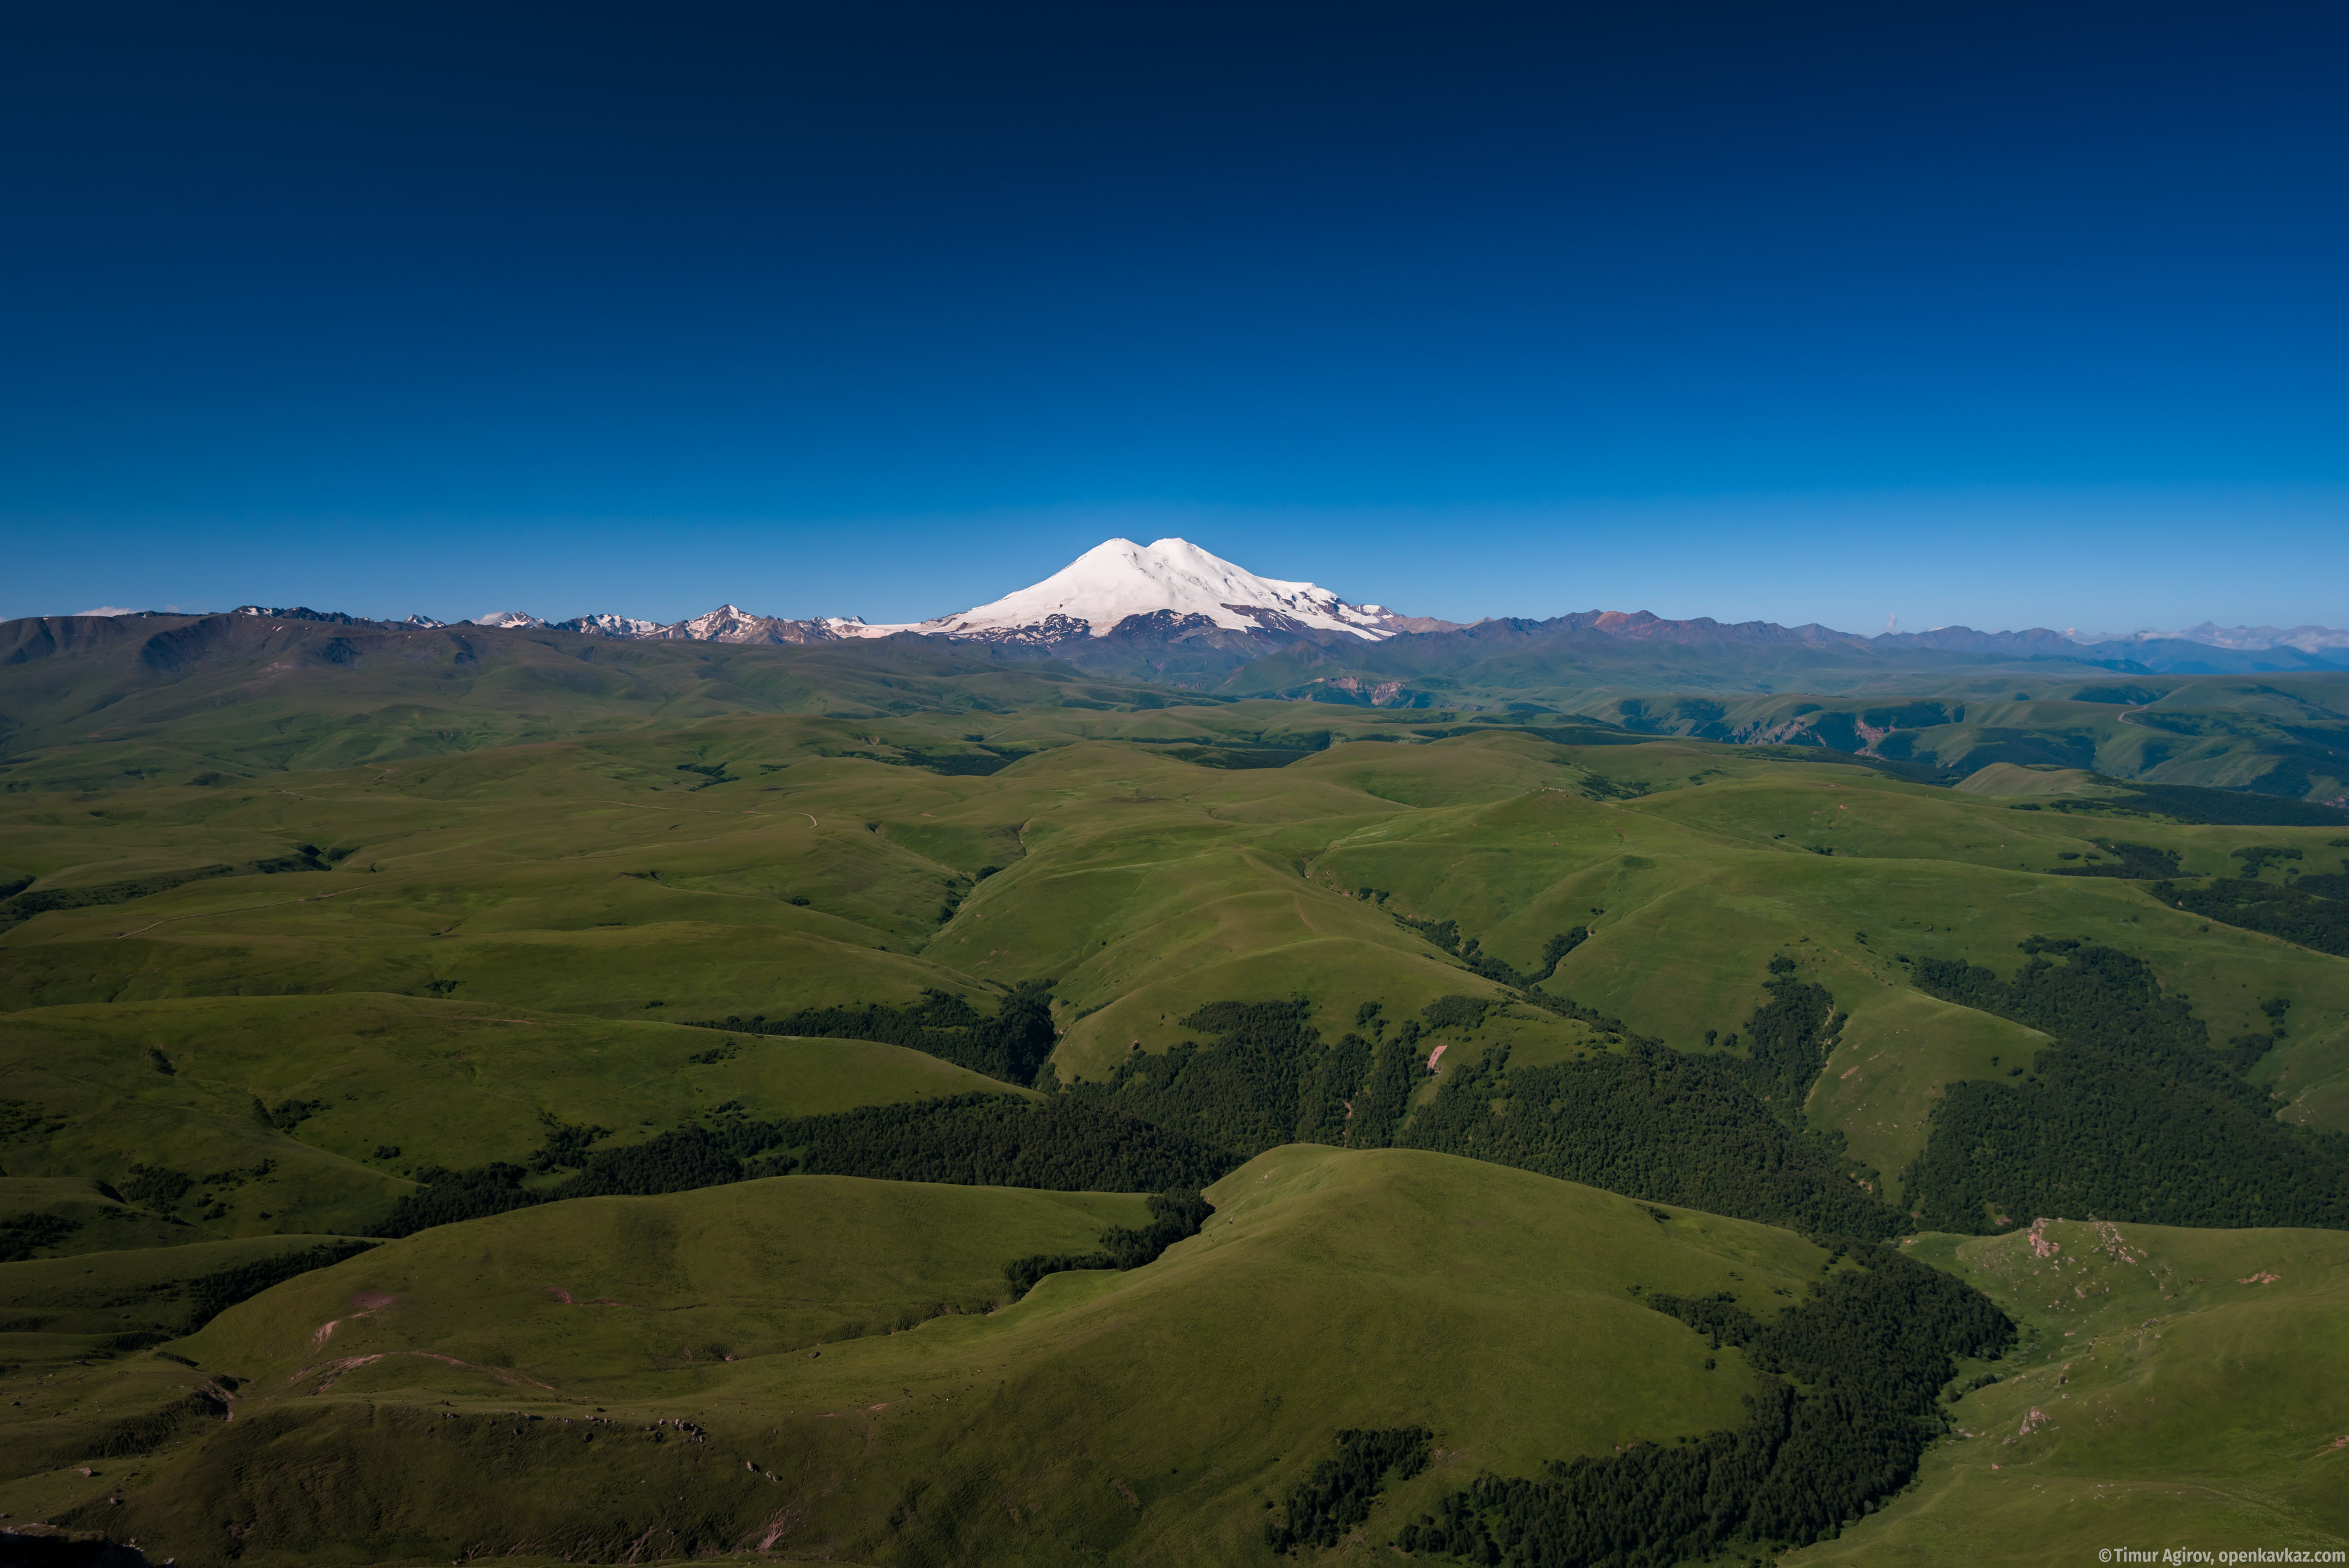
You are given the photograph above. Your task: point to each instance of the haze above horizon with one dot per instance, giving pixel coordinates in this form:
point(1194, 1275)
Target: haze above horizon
point(2003, 318)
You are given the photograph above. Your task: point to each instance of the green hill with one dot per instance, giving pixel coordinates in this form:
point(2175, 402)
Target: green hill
point(94, 701)
point(2180, 1387)
point(1148, 1413)
point(941, 935)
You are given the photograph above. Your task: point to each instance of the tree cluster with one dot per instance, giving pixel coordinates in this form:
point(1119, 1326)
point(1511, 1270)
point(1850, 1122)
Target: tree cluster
point(2131, 1116)
point(1456, 1011)
point(1384, 1097)
point(208, 1295)
point(1065, 1145)
point(1445, 934)
point(286, 1114)
point(2255, 857)
point(1650, 1123)
point(1554, 953)
point(1323, 1111)
point(1174, 1217)
point(157, 1186)
point(1013, 1045)
point(567, 1145)
point(1788, 1040)
point(2098, 996)
point(1567, 1007)
point(1244, 1091)
point(1267, 1078)
point(22, 1235)
point(1339, 1493)
point(1870, 1348)
point(2098, 1135)
point(2294, 913)
point(2227, 807)
point(2134, 862)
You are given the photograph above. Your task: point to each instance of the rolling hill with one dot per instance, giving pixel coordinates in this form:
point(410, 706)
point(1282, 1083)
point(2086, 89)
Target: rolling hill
point(569, 1098)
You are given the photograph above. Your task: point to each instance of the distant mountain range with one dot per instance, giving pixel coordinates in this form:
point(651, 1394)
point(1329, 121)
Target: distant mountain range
point(1170, 625)
point(1170, 611)
point(1169, 588)
point(2307, 639)
point(1156, 608)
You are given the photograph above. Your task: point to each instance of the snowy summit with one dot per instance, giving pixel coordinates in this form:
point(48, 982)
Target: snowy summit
point(1119, 578)
point(1175, 586)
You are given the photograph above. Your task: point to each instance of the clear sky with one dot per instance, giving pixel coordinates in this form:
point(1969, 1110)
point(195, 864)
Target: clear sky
point(2011, 313)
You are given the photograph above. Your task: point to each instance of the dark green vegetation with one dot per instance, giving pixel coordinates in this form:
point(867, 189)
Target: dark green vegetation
point(1652, 1123)
point(210, 1294)
point(214, 697)
point(2132, 1336)
point(21, 1236)
point(1012, 1045)
point(1174, 1217)
point(2131, 1116)
point(2295, 913)
point(1267, 1079)
point(2133, 861)
point(93, 1305)
point(824, 1047)
point(1338, 1495)
point(1066, 1145)
point(1870, 1349)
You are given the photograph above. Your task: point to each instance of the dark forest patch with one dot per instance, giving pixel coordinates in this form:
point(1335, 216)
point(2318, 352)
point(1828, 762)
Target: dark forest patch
point(2136, 862)
point(1846, 1411)
point(1650, 1123)
point(2295, 913)
point(1063, 1145)
point(1174, 1217)
point(1264, 1078)
point(1340, 1491)
point(1013, 1045)
point(2132, 1115)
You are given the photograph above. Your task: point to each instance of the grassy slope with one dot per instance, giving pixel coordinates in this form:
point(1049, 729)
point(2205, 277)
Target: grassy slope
point(1141, 1418)
point(107, 1223)
point(96, 703)
point(591, 877)
point(2190, 1402)
point(66, 1309)
point(498, 922)
point(1705, 880)
point(2284, 732)
point(443, 1083)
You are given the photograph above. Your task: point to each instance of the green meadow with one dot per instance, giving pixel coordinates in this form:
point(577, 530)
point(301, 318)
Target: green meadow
point(2178, 1389)
point(837, 1341)
point(267, 978)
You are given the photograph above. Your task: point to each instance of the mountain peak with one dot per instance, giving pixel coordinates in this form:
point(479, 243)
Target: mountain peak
point(1118, 579)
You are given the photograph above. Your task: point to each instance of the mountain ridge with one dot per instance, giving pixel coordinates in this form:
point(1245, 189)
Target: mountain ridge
point(1174, 612)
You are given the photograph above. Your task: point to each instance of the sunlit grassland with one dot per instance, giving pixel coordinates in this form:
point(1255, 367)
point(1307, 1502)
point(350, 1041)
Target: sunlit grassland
point(2180, 1388)
point(594, 879)
point(1147, 1416)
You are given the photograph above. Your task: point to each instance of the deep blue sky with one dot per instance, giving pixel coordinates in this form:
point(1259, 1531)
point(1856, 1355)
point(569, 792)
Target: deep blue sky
point(2008, 313)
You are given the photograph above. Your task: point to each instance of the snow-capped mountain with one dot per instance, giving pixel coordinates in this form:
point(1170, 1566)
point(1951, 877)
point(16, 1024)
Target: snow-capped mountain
point(1175, 588)
point(731, 623)
point(2307, 639)
point(627, 627)
point(1115, 581)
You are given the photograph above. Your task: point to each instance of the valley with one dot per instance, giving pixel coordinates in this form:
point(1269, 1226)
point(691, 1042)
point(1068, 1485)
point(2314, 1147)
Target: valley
point(907, 1105)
